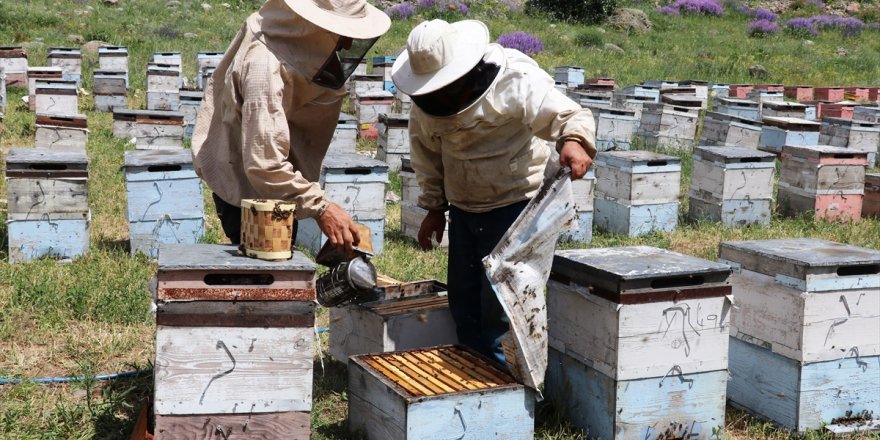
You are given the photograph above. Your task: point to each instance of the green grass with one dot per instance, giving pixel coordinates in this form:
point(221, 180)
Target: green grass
point(92, 316)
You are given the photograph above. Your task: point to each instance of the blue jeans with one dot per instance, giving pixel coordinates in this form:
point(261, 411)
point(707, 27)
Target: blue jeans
point(479, 319)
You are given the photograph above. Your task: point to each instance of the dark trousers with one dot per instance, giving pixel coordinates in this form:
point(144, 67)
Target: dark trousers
point(480, 321)
point(230, 219)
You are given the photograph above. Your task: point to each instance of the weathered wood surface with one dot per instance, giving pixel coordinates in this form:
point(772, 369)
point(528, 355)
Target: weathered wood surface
point(60, 137)
point(637, 188)
point(783, 109)
point(225, 258)
point(762, 96)
point(569, 75)
point(276, 314)
point(732, 213)
point(109, 82)
point(791, 124)
point(867, 113)
point(163, 78)
point(208, 59)
point(159, 159)
point(816, 178)
point(158, 134)
point(157, 194)
point(368, 109)
point(871, 202)
point(14, 62)
point(743, 108)
point(715, 182)
point(828, 93)
point(163, 100)
point(113, 58)
point(47, 237)
point(831, 207)
point(42, 73)
point(223, 370)
point(287, 425)
point(674, 406)
point(799, 93)
point(634, 220)
point(29, 199)
point(411, 217)
point(773, 139)
point(146, 236)
point(728, 130)
point(107, 103)
point(72, 160)
point(56, 99)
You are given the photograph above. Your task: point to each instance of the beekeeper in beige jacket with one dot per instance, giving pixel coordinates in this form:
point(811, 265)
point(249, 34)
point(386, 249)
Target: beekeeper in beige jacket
point(272, 105)
point(478, 133)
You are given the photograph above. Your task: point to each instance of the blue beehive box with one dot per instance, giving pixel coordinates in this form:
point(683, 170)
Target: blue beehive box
point(778, 132)
point(165, 201)
point(382, 66)
point(48, 203)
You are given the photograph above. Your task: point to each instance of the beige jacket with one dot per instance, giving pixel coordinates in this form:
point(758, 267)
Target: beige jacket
point(488, 156)
point(263, 128)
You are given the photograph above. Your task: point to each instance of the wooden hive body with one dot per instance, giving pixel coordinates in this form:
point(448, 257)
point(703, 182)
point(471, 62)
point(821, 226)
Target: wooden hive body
point(357, 184)
point(740, 91)
point(770, 87)
point(808, 322)
point(44, 74)
point(783, 109)
point(436, 393)
point(165, 202)
point(393, 142)
point(411, 215)
point(344, 136)
point(56, 96)
point(163, 86)
point(720, 90)
point(762, 95)
point(683, 97)
point(571, 76)
point(858, 94)
point(190, 101)
point(208, 60)
point(169, 58)
point(634, 103)
point(828, 93)
point(778, 132)
point(402, 103)
point(109, 82)
point(204, 76)
point(828, 181)
point(152, 129)
point(867, 113)
point(362, 84)
point(48, 211)
point(113, 58)
point(61, 131)
point(14, 62)
point(68, 59)
point(615, 127)
point(658, 333)
point(382, 66)
point(843, 110)
point(643, 91)
point(799, 93)
point(665, 125)
point(720, 129)
point(368, 106)
point(582, 194)
point(871, 202)
point(853, 134)
point(743, 108)
point(732, 185)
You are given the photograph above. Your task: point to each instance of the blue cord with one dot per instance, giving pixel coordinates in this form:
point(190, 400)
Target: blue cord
point(10, 380)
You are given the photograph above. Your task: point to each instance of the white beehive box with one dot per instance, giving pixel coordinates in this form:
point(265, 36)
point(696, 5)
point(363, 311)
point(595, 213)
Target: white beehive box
point(805, 339)
point(582, 193)
point(871, 202)
point(361, 84)
point(852, 134)
point(163, 86)
point(669, 126)
point(61, 131)
point(636, 192)
point(732, 185)
point(14, 62)
point(44, 74)
point(369, 105)
point(783, 109)
point(110, 88)
point(643, 90)
point(720, 129)
point(571, 76)
point(69, 60)
point(436, 393)
point(393, 142)
point(743, 108)
point(826, 181)
point(652, 359)
point(344, 136)
point(205, 76)
point(190, 101)
point(779, 132)
point(113, 58)
point(56, 96)
point(357, 184)
point(683, 97)
point(764, 95)
point(151, 129)
point(169, 58)
point(615, 127)
point(402, 103)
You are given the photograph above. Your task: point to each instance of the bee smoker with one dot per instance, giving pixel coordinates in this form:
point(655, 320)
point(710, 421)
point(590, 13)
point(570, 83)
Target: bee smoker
point(352, 281)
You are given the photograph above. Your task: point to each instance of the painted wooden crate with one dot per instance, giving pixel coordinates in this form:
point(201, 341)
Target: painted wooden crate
point(588, 99)
point(719, 90)
point(778, 132)
point(681, 99)
point(368, 106)
point(344, 136)
point(571, 76)
point(720, 129)
point(110, 88)
point(732, 185)
point(14, 61)
point(47, 197)
point(163, 86)
point(113, 58)
point(799, 93)
point(411, 215)
point(658, 333)
point(852, 134)
point(762, 95)
point(165, 202)
point(170, 58)
point(56, 96)
point(808, 324)
point(827, 181)
point(783, 109)
point(393, 139)
point(382, 66)
point(828, 93)
point(391, 325)
point(867, 113)
point(871, 202)
point(151, 129)
point(835, 110)
point(859, 94)
point(286, 425)
point(69, 60)
point(643, 90)
point(357, 184)
point(636, 192)
point(361, 84)
point(669, 126)
point(582, 194)
point(206, 62)
point(770, 87)
point(61, 131)
point(632, 102)
point(46, 73)
point(190, 101)
point(615, 127)
point(740, 91)
point(436, 393)
point(743, 108)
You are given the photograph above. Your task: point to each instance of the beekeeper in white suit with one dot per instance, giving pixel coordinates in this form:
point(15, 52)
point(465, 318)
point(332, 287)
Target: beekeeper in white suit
point(272, 105)
point(478, 133)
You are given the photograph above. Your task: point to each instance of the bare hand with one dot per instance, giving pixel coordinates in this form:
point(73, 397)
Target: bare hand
point(574, 157)
point(339, 228)
point(433, 225)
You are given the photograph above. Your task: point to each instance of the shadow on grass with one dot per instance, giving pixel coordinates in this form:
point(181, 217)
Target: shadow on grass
point(105, 244)
point(116, 410)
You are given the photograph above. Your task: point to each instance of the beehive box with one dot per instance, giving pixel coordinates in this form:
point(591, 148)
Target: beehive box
point(61, 131)
point(190, 101)
point(701, 87)
point(362, 84)
point(852, 134)
point(357, 184)
point(720, 129)
point(114, 58)
point(56, 96)
point(368, 106)
point(874, 94)
point(436, 393)
point(47, 197)
point(393, 139)
point(205, 76)
point(582, 194)
point(411, 215)
point(652, 359)
point(799, 93)
point(732, 185)
point(669, 126)
point(344, 136)
point(110, 88)
point(805, 338)
point(590, 99)
point(165, 202)
point(720, 90)
point(169, 58)
point(779, 132)
point(828, 93)
point(69, 60)
point(382, 66)
point(152, 129)
point(615, 127)
point(743, 108)
point(234, 335)
point(14, 61)
point(871, 202)
point(867, 113)
point(206, 62)
point(860, 94)
point(783, 109)
point(770, 87)
point(763, 95)
point(844, 110)
point(46, 73)
point(632, 102)
point(405, 323)
point(571, 76)
point(163, 86)
point(660, 84)
point(402, 103)
point(636, 192)
point(827, 181)
point(687, 99)
point(643, 90)
point(740, 91)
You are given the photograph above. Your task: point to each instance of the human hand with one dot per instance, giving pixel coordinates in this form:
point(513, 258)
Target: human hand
point(339, 228)
point(433, 225)
point(573, 156)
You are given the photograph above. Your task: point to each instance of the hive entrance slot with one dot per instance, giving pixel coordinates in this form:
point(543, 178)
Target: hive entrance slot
point(863, 269)
point(239, 279)
point(163, 168)
point(357, 171)
point(656, 163)
point(665, 283)
point(750, 159)
point(48, 166)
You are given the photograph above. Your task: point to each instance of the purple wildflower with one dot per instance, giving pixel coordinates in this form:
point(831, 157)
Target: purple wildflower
point(524, 42)
point(848, 26)
point(697, 7)
point(760, 28)
point(401, 11)
point(763, 14)
point(426, 4)
point(463, 9)
point(668, 10)
point(802, 26)
point(744, 9)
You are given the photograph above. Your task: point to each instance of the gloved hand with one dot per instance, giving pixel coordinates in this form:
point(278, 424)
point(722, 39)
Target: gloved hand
point(573, 156)
point(339, 228)
point(433, 225)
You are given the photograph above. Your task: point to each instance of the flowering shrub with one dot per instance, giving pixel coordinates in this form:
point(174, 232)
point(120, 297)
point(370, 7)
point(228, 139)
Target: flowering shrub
point(763, 14)
point(697, 7)
point(448, 10)
point(848, 26)
point(761, 28)
point(401, 11)
point(524, 42)
point(801, 26)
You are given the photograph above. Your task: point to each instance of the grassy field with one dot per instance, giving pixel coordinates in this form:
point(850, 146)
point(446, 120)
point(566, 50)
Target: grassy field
point(92, 316)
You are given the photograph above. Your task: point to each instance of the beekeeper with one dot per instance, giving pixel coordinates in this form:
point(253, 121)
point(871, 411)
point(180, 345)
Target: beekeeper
point(271, 107)
point(478, 133)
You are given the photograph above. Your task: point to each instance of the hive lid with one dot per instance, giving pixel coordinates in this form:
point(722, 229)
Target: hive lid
point(41, 155)
point(787, 123)
point(109, 74)
point(434, 371)
point(732, 118)
point(352, 161)
point(112, 50)
point(820, 151)
point(630, 158)
point(736, 102)
point(638, 274)
point(147, 158)
point(801, 257)
point(733, 154)
point(872, 126)
point(174, 257)
point(783, 105)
